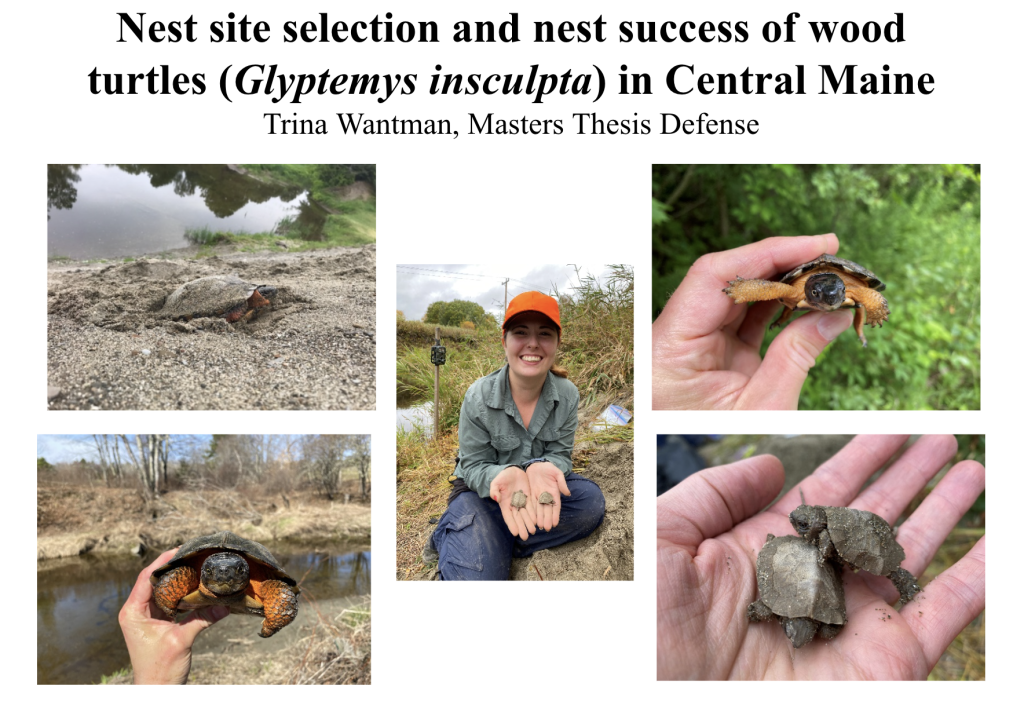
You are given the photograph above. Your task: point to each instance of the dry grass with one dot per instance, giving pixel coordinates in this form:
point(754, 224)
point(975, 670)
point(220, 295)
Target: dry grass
point(337, 651)
point(423, 470)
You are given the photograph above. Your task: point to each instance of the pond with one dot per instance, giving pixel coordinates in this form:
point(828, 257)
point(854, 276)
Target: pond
point(413, 413)
point(116, 211)
point(78, 600)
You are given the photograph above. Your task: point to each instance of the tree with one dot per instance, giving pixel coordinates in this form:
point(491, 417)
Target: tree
point(324, 456)
point(454, 313)
point(360, 458)
point(42, 464)
point(149, 458)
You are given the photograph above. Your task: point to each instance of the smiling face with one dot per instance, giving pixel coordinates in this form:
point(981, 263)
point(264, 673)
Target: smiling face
point(530, 343)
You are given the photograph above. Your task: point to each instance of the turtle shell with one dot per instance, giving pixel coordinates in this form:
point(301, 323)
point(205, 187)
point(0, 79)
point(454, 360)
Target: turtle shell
point(216, 295)
point(219, 542)
point(824, 261)
point(864, 540)
point(793, 585)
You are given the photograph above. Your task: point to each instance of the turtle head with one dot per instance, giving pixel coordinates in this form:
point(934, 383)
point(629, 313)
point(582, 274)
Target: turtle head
point(825, 291)
point(800, 631)
point(225, 573)
point(268, 291)
point(808, 521)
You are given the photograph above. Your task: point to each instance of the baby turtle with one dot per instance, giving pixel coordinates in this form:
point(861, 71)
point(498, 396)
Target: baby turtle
point(860, 539)
point(546, 498)
point(826, 283)
point(806, 597)
point(224, 569)
point(519, 499)
point(225, 296)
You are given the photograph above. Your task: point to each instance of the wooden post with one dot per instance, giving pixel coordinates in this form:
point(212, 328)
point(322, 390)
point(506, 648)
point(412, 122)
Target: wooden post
point(437, 384)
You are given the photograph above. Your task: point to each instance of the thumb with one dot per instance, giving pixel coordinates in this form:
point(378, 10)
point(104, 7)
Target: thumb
point(777, 383)
point(201, 619)
point(562, 486)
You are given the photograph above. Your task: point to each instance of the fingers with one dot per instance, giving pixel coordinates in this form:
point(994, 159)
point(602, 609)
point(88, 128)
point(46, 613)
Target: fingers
point(199, 620)
point(142, 592)
point(948, 604)
point(699, 306)
point(923, 532)
point(508, 515)
point(839, 479)
point(890, 494)
point(751, 331)
point(777, 383)
point(714, 500)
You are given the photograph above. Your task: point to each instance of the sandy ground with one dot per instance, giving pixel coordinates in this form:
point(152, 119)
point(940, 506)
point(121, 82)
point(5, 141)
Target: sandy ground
point(315, 348)
point(73, 520)
point(607, 553)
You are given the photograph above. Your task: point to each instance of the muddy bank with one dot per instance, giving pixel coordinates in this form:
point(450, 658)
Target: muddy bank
point(607, 553)
point(108, 348)
point(75, 520)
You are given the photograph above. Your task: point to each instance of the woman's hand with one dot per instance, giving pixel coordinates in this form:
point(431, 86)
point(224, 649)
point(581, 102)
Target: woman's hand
point(545, 477)
point(522, 522)
point(161, 650)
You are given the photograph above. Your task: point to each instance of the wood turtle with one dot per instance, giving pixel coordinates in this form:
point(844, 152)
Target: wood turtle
point(805, 596)
point(859, 539)
point(225, 296)
point(826, 283)
point(224, 569)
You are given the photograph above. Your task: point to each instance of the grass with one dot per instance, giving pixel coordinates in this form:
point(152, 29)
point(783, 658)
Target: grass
point(597, 351)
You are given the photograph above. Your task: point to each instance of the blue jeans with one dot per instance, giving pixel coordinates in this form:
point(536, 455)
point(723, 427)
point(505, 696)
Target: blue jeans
point(473, 542)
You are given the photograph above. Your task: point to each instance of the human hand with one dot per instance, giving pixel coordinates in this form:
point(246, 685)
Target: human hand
point(707, 349)
point(521, 522)
point(161, 650)
point(545, 477)
point(711, 528)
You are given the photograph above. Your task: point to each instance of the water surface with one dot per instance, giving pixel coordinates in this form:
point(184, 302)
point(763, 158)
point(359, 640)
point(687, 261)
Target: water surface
point(114, 211)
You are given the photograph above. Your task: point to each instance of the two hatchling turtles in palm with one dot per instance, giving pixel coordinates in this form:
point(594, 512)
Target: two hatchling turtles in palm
point(225, 296)
point(224, 569)
point(826, 283)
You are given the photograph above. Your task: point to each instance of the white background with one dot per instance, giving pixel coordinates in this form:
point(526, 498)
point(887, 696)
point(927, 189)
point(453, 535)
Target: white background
point(520, 199)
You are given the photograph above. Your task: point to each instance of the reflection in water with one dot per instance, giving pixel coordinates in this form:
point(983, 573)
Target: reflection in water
point(97, 211)
point(78, 600)
point(415, 416)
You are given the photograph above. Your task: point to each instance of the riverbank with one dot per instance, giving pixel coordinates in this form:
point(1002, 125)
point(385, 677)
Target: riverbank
point(73, 520)
point(315, 349)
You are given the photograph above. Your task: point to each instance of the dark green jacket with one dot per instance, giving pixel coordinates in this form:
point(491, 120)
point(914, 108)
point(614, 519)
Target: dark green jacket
point(492, 436)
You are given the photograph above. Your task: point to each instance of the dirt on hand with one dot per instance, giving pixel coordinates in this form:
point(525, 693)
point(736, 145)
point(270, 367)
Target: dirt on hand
point(315, 348)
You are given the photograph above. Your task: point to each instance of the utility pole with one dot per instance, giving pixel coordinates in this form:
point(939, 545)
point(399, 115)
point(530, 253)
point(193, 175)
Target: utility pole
point(506, 300)
point(437, 384)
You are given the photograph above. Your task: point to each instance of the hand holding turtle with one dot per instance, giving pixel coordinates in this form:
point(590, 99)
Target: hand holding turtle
point(711, 529)
point(521, 520)
point(546, 478)
point(161, 650)
point(707, 349)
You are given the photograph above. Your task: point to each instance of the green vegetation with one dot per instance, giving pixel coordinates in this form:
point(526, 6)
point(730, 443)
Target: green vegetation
point(43, 465)
point(918, 227)
point(457, 311)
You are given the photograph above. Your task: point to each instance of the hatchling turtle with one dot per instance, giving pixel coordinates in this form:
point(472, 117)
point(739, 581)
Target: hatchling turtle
point(805, 596)
point(225, 296)
point(546, 498)
point(859, 539)
point(826, 283)
point(224, 569)
point(519, 499)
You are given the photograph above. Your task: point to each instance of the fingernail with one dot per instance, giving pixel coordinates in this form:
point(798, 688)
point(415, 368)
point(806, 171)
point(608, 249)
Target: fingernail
point(831, 325)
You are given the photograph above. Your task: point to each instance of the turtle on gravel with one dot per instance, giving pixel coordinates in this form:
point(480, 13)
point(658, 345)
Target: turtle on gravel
point(859, 539)
point(826, 283)
point(224, 569)
point(804, 595)
point(226, 296)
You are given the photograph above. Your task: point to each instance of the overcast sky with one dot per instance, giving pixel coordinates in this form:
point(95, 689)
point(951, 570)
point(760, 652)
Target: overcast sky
point(419, 284)
point(70, 448)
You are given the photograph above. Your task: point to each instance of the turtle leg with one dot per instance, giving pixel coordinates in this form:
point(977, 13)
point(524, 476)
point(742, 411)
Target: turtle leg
point(783, 317)
point(800, 631)
point(827, 631)
point(871, 308)
point(761, 290)
point(906, 583)
point(825, 547)
point(757, 611)
point(280, 606)
point(173, 587)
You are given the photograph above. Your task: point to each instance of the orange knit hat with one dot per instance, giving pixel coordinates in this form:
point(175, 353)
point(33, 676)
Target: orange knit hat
point(532, 302)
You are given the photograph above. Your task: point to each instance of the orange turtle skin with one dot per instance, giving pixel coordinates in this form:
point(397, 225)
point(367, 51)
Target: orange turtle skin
point(869, 305)
point(175, 586)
